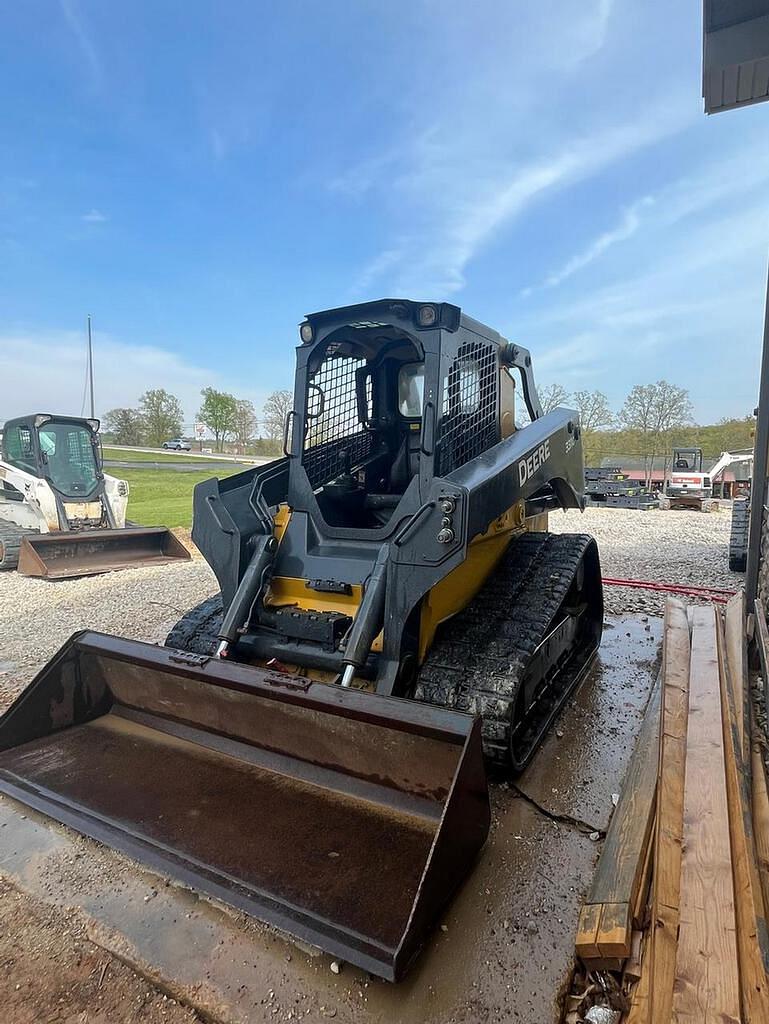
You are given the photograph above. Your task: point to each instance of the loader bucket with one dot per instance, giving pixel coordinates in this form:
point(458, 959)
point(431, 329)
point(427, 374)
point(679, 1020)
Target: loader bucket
point(56, 556)
point(344, 818)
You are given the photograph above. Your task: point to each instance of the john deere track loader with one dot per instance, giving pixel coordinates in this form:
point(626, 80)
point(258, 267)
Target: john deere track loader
point(60, 514)
point(309, 746)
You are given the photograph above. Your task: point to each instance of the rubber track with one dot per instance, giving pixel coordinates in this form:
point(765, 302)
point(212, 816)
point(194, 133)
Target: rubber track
point(738, 539)
point(10, 541)
point(476, 663)
point(198, 630)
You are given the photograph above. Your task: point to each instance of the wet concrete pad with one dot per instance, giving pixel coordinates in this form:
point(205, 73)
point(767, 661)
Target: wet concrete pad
point(505, 953)
point(507, 947)
point(585, 756)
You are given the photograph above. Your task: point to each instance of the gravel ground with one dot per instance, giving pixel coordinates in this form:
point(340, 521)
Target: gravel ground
point(37, 616)
point(679, 547)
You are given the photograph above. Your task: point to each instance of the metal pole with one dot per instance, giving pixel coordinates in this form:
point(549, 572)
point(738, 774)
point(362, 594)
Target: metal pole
point(90, 366)
point(760, 463)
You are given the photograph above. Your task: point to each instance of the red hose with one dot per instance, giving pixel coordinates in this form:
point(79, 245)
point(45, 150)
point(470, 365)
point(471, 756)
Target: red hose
point(717, 594)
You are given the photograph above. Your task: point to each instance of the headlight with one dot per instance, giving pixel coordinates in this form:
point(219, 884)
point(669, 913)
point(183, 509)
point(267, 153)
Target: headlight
point(427, 316)
point(305, 333)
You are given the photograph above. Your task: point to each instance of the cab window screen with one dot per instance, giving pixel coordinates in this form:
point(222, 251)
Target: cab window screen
point(69, 458)
point(335, 434)
point(19, 448)
point(411, 388)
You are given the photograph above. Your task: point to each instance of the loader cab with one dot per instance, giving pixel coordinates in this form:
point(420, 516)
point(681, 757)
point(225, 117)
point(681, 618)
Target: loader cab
point(388, 396)
point(362, 413)
point(62, 450)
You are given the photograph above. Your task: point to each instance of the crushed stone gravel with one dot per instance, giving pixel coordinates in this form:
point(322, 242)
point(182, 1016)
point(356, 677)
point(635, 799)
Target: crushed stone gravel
point(679, 547)
point(37, 616)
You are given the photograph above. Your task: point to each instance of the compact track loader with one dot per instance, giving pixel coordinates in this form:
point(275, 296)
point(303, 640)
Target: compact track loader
point(309, 746)
point(60, 514)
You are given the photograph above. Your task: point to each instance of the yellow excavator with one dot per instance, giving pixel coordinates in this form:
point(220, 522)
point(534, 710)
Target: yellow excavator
point(310, 744)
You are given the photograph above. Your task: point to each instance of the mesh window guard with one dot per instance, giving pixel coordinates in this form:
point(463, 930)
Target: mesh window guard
point(469, 411)
point(333, 425)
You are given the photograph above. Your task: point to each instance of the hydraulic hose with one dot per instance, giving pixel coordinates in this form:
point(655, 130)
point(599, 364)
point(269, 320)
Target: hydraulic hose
point(717, 594)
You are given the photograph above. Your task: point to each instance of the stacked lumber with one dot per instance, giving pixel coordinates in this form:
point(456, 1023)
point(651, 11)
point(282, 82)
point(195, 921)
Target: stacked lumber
point(678, 907)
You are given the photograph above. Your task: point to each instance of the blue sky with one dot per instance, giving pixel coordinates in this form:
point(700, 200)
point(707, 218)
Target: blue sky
point(198, 175)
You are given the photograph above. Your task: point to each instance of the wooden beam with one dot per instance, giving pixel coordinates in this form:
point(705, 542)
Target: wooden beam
point(752, 939)
point(615, 930)
point(640, 1002)
point(760, 801)
point(641, 905)
point(619, 874)
point(668, 836)
point(633, 964)
point(707, 989)
point(760, 798)
point(737, 661)
point(586, 944)
point(762, 640)
point(605, 924)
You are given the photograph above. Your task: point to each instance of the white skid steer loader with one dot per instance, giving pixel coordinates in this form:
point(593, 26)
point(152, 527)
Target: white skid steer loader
point(60, 514)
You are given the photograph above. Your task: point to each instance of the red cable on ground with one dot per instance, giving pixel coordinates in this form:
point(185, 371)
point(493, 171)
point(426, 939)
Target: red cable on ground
point(717, 594)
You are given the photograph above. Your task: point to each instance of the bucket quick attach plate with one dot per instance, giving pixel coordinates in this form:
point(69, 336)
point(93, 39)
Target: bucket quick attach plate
point(341, 817)
point(59, 555)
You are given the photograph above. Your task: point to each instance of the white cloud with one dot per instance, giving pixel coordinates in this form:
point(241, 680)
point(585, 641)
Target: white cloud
point(45, 372)
point(630, 223)
point(375, 269)
point(94, 217)
point(462, 202)
point(74, 18)
point(591, 32)
point(691, 312)
point(673, 203)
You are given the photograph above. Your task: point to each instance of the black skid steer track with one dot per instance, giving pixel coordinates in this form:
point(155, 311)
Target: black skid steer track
point(11, 537)
point(738, 538)
point(522, 645)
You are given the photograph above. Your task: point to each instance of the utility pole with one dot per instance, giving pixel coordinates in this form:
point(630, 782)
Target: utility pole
point(90, 366)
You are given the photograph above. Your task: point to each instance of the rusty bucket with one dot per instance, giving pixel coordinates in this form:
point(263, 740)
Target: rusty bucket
point(57, 555)
point(343, 818)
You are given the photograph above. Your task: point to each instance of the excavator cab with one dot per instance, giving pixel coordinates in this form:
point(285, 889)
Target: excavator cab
point(687, 459)
point(310, 744)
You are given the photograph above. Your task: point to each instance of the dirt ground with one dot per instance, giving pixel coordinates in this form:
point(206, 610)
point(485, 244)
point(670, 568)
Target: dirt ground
point(50, 972)
point(80, 944)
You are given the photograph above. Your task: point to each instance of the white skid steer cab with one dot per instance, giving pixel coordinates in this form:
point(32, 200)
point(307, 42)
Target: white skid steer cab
point(60, 514)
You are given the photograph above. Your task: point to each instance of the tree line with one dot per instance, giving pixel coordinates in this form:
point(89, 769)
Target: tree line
point(159, 417)
point(652, 420)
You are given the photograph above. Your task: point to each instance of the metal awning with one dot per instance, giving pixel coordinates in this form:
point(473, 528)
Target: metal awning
point(735, 70)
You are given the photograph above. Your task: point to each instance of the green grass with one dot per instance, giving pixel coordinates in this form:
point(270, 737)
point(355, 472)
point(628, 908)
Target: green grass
point(163, 497)
point(120, 455)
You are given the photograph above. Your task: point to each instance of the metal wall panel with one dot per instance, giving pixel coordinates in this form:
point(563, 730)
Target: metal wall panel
point(735, 68)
